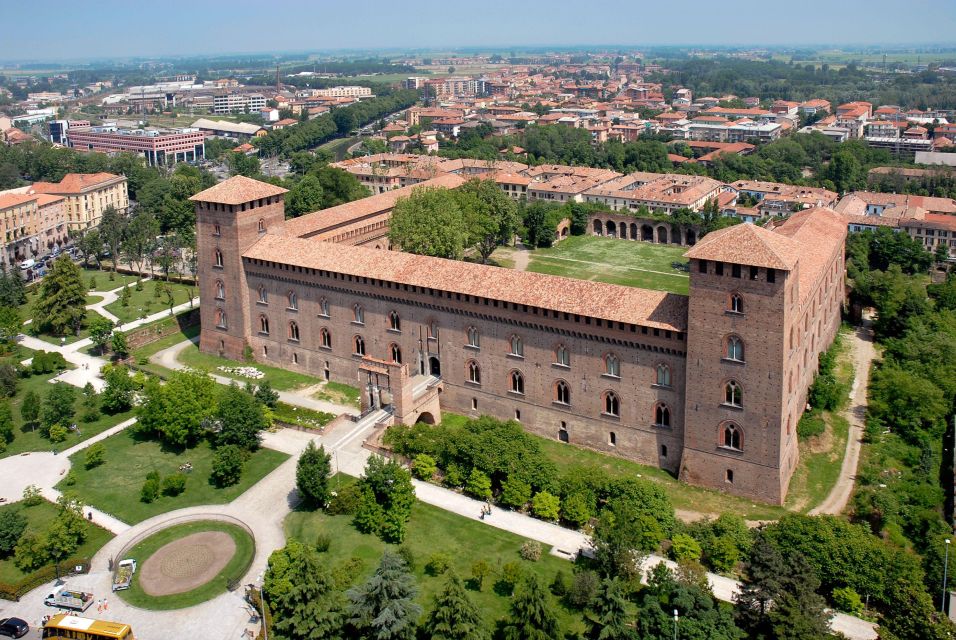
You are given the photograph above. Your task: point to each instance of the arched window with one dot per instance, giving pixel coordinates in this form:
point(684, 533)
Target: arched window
point(358, 346)
point(263, 295)
point(218, 258)
point(736, 303)
point(325, 338)
point(517, 382)
point(731, 437)
point(474, 338)
point(220, 318)
point(220, 290)
point(612, 365)
point(293, 301)
point(612, 404)
point(324, 307)
point(562, 392)
point(735, 349)
point(562, 356)
point(394, 322)
point(264, 325)
point(733, 394)
point(293, 331)
point(663, 375)
point(396, 352)
point(517, 346)
point(262, 225)
point(474, 372)
point(358, 314)
point(433, 329)
point(662, 415)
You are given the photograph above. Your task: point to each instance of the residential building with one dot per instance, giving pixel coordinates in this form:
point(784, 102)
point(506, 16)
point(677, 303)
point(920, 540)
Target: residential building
point(31, 224)
point(87, 196)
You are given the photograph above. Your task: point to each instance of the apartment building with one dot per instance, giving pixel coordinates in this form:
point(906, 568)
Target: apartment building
point(658, 192)
point(344, 92)
point(86, 195)
point(31, 224)
point(227, 103)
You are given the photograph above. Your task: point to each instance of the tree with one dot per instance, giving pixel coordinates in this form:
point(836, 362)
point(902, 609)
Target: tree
point(265, 394)
point(533, 615)
point(454, 615)
point(338, 186)
point(515, 493)
point(305, 196)
point(10, 323)
point(424, 466)
point(700, 616)
point(941, 254)
point(8, 380)
point(429, 222)
point(101, 330)
point(479, 485)
point(384, 608)
point(6, 424)
point(241, 418)
point(309, 606)
point(546, 506)
point(387, 499)
point(491, 217)
point(242, 165)
point(312, 473)
point(607, 615)
point(227, 465)
point(619, 541)
point(30, 408)
point(113, 229)
point(58, 408)
point(118, 344)
point(140, 238)
point(12, 526)
point(118, 393)
point(91, 244)
point(61, 306)
point(684, 547)
point(13, 291)
point(176, 411)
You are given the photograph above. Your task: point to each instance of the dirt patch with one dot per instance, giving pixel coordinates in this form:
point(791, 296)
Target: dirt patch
point(187, 563)
point(822, 443)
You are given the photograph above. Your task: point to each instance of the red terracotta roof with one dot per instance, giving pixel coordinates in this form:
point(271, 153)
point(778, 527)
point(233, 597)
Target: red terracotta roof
point(75, 183)
point(747, 244)
point(237, 190)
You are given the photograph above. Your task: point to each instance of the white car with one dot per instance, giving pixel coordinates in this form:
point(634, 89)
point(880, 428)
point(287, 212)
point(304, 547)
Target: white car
point(27, 264)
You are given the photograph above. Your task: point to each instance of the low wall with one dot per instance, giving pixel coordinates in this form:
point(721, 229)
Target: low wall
point(166, 327)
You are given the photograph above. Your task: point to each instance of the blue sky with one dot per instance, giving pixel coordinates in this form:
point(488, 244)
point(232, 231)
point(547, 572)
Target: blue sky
point(66, 29)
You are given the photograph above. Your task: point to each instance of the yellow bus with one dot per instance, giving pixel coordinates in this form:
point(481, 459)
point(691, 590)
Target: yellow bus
point(69, 627)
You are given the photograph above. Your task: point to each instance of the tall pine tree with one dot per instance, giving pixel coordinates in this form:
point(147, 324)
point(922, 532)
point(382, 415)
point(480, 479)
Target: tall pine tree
point(61, 306)
point(607, 615)
point(454, 616)
point(532, 613)
point(312, 607)
point(384, 608)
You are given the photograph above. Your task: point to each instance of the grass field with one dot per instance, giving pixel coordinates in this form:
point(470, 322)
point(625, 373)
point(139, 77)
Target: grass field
point(70, 339)
point(632, 264)
point(245, 550)
point(38, 519)
point(280, 379)
point(432, 530)
point(114, 486)
point(144, 303)
point(339, 393)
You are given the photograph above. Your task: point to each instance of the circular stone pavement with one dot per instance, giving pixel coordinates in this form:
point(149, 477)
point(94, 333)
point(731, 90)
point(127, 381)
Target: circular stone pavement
point(187, 563)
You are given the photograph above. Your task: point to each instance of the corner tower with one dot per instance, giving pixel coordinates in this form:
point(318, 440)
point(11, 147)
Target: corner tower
point(739, 434)
point(230, 218)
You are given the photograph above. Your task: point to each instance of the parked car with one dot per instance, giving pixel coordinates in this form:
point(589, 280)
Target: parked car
point(27, 264)
point(14, 627)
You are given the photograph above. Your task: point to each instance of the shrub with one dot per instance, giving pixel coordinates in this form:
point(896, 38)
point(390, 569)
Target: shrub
point(70, 479)
point(8, 380)
point(531, 550)
point(12, 526)
point(684, 548)
point(151, 487)
point(424, 466)
point(95, 455)
point(58, 433)
point(510, 574)
point(408, 556)
point(174, 484)
point(32, 496)
point(811, 424)
point(583, 587)
point(227, 465)
point(454, 476)
point(561, 584)
point(322, 542)
point(576, 510)
point(345, 573)
point(345, 501)
point(847, 600)
point(515, 493)
point(479, 485)
point(546, 506)
point(480, 569)
point(438, 563)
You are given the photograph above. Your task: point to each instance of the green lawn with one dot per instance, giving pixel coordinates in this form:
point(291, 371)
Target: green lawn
point(280, 379)
point(571, 459)
point(70, 339)
point(114, 487)
point(623, 262)
point(433, 530)
point(339, 393)
point(39, 518)
point(234, 570)
point(145, 302)
point(92, 299)
point(99, 279)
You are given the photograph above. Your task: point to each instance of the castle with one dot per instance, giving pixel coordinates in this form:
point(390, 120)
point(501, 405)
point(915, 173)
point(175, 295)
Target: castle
point(709, 385)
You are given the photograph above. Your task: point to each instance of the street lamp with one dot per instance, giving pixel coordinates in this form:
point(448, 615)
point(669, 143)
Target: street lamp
point(676, 617)
point(942, 603)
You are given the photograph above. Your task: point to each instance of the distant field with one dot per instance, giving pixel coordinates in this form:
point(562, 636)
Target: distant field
point(632, 264)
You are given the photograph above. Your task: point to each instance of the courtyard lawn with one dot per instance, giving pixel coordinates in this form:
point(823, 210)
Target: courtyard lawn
point(39, 518)
point(234, 569)
point(623, 262)
point(114, 486)
point(690, 502)
point(280, 379)
point(70, 339)
point(432, 530)
point(144, 303)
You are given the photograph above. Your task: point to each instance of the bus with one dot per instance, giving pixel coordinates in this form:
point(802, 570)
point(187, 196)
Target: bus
point(69, 627)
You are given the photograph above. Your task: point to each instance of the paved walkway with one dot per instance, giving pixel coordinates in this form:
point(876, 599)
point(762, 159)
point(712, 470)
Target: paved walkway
point(863, 350)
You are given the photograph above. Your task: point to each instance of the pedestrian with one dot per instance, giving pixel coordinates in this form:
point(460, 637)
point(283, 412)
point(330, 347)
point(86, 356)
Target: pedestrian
point(106, 605)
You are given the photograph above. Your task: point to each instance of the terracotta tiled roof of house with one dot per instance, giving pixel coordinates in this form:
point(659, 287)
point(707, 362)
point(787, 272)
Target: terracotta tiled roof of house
point(236, 190)
point(656, 309)
point(750, 245)
point(819, 233)
point(44, 199)
point(8, 200)
point(76, 182)
point(320, 221)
